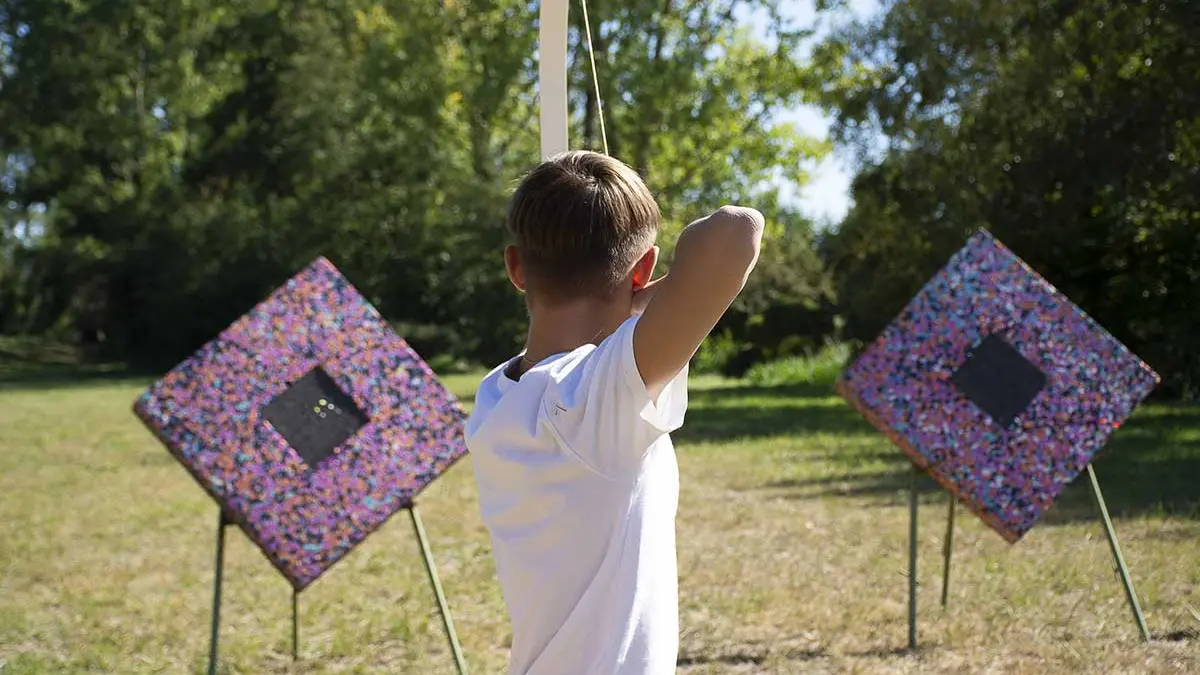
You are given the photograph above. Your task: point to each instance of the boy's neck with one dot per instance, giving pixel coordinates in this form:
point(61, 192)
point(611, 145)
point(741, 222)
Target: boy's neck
point(561, 328)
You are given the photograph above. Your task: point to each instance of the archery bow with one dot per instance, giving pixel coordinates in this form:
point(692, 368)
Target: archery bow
point(552, 76)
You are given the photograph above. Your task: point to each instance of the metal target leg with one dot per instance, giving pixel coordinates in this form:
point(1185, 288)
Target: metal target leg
point(295, 625)
point(216, 609)
point(912, 561)
point(443, 606)
point(947, 552)
point(1111, 533)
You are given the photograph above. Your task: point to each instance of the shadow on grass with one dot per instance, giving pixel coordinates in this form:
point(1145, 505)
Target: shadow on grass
point(31, 365)
point(748, 657)
point(886, 653)
point(1148, 468)
point(70, 380)
point(732, 413)
point(1133, 483)
point(1185, 635)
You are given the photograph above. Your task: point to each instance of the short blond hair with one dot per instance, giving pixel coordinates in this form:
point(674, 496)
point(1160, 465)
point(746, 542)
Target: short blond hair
point(580, 220)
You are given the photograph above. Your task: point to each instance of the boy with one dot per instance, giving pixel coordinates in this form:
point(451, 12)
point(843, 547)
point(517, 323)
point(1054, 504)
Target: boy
point(577, 478)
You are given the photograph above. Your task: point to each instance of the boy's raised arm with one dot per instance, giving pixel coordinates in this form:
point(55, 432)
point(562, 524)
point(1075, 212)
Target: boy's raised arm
point(713, 259)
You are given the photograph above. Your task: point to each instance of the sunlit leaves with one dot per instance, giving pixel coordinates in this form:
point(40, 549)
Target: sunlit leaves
point(184, 156)
point(1060, 126)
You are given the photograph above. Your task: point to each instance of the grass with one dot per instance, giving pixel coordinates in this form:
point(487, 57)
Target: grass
point(792, 555)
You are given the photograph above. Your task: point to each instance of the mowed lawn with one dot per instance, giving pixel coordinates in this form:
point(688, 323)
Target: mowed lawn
point(793, 529)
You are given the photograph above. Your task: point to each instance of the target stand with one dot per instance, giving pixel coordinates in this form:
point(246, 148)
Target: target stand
point(430, 568)
point(310, 423)
point(1110, 533)
point(1003, 391)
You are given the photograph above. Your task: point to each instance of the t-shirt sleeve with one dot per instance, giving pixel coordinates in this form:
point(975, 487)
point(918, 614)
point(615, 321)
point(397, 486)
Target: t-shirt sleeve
point(602, 412)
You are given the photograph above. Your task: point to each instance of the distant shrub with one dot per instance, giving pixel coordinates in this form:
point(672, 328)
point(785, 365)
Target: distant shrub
point(821, 368)
point(448, 364)
point(716, 354)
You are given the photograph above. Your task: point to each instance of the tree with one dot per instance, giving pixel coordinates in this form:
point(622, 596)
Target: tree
point(1068, 130)
point(184, 157)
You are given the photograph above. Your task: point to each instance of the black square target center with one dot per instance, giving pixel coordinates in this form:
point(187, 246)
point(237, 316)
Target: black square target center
point(314, 416)
point(998, 379)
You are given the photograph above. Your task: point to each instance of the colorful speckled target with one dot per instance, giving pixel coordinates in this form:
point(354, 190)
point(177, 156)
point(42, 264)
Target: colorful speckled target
point(309, 421)
point(997, 385)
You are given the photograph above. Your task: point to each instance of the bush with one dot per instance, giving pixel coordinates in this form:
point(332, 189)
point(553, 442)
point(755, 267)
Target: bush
point(717, 354)
point(821, 368)
point(448, 364)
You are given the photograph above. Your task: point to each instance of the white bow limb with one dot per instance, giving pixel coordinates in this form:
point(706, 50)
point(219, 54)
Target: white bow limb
point(552, 76)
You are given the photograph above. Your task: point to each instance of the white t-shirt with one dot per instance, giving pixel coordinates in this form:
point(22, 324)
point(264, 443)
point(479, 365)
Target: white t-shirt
point(578, 486)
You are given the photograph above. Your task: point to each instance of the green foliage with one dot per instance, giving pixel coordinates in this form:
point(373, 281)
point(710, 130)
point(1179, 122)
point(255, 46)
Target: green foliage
point(1069, 130)
point(821, 368)
point(167, 163)
point(717, 353)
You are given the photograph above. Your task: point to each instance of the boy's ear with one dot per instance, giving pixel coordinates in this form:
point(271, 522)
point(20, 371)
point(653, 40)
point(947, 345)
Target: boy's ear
point(643, 269)
point(516, 271)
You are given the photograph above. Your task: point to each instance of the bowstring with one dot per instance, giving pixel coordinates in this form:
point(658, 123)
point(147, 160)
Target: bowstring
point(587, 27)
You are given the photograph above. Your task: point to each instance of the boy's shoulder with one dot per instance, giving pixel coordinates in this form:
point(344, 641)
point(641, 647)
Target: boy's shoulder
point(532, 386)
point(565, 379)
point(561, 367)
point(589, 402)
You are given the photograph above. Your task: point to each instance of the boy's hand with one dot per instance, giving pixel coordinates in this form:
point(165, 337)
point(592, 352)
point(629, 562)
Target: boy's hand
point(644, 295)
point(713, 258)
